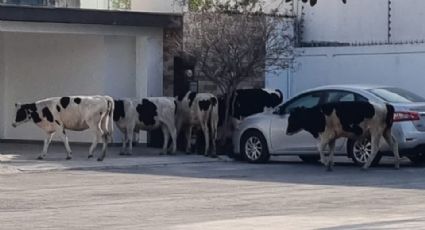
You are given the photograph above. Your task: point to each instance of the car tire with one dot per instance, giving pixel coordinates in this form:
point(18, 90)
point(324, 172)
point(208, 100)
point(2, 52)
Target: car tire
point(418, 159)
point(253, 147)
point(359, 152)
point(310, 159)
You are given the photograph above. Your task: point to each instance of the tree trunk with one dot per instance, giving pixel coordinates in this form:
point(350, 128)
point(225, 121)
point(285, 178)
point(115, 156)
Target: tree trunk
point(228, 107)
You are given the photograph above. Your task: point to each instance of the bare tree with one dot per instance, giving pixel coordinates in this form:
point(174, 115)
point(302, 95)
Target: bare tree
point(195, 5)
point(234, 43)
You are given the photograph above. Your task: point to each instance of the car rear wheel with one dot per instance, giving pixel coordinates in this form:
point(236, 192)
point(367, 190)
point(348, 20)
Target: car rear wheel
point(360, 151)
point(310, 159)
point(254, 147)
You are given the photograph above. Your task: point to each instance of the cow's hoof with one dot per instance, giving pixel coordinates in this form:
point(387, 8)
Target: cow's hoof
point(171, 153)
point(329, 169)
point(99, 159)
point(90, 156)
point(40, 158)
point(125, 154)
point(68, 158)
point(213, 155)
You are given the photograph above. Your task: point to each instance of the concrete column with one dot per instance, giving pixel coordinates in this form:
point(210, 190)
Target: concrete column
point(149, 68)
point(3, 109)
point(149, 65)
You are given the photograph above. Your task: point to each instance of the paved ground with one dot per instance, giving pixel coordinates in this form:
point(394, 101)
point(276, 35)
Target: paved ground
point(147, 191)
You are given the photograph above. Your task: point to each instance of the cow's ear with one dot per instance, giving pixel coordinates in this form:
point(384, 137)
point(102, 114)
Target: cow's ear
point(17, 105)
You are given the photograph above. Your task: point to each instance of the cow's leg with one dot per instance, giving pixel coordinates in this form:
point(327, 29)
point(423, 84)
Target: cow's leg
point(93, 144)
point(375, 138)
point(188, 133)
point(95, 128)
point(124, 143)
point(130, 138)
point(166, 136)
point(171, 129)
point(47, 141)
point(394, 145)
point(321, 146)
point(173, 133)
point(105, 144)
point(206, 132)
point(331, 155)
point(213, 140)
point(64, 138)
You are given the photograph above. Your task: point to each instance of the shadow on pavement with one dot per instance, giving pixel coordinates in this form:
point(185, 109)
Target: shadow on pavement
point(147, 161)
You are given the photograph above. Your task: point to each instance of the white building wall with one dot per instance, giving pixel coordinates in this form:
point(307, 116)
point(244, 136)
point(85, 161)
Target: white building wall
point(406, 20)
point(48, 65)
point(161, 6)
point(393, 65)
point(356, 21)
point(75, 62)
point(363, 21)
point(120, 66)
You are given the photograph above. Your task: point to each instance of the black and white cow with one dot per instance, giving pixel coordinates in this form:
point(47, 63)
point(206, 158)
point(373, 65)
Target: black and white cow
point(76, 113)
point(133, 115)
point(244, 103)
point(354, 120)
point(198, 110)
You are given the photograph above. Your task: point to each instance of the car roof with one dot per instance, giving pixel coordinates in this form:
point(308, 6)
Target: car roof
point(349, 86)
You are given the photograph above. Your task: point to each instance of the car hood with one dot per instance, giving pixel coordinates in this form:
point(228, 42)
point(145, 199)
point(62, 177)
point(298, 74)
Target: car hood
point(263, 115)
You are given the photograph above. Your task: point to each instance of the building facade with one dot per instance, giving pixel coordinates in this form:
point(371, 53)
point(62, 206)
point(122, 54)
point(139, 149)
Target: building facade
point(362, 42)
point(47, 52)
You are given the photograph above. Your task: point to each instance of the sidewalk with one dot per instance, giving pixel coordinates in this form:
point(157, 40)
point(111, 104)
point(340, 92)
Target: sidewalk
point(22, 158)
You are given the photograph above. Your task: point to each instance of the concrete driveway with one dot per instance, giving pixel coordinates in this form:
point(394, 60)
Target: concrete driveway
point(147, 191)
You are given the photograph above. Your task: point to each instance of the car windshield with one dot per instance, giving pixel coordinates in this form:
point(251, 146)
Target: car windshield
point(396, 95)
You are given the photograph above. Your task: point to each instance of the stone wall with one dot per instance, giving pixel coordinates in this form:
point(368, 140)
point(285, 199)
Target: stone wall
point(171, 49)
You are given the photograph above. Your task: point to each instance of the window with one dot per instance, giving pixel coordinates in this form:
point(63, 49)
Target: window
point(396, 95)
point(307, 101)
point(337, 96)
point(340, 96)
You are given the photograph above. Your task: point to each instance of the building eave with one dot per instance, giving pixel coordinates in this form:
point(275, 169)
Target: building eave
point(88, 16)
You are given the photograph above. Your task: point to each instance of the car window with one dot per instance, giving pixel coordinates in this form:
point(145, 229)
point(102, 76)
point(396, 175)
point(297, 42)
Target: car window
point(396, 95)
point(340, 96)
point(307, 101)
point(337, 96)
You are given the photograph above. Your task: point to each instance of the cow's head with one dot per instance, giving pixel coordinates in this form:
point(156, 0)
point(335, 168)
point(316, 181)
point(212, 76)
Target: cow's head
point(274, 98)
point(296, 121)
point(23, 113)
point(311, 120)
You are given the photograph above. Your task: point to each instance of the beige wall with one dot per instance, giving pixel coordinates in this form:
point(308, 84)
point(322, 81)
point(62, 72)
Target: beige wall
point(40, 65)
point(164, 6)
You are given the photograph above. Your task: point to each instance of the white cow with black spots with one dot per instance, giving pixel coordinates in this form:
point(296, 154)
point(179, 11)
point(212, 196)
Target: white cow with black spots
point(76, 113)
point(201, 110)
point(133, 115)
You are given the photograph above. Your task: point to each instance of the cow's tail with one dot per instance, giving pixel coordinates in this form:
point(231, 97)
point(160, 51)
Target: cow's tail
point(109, 118)
point(389, 119)
point(280, 94)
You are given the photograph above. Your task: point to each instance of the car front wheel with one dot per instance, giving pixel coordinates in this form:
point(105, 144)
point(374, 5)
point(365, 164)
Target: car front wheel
point(254, 147)
point(360, 151)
